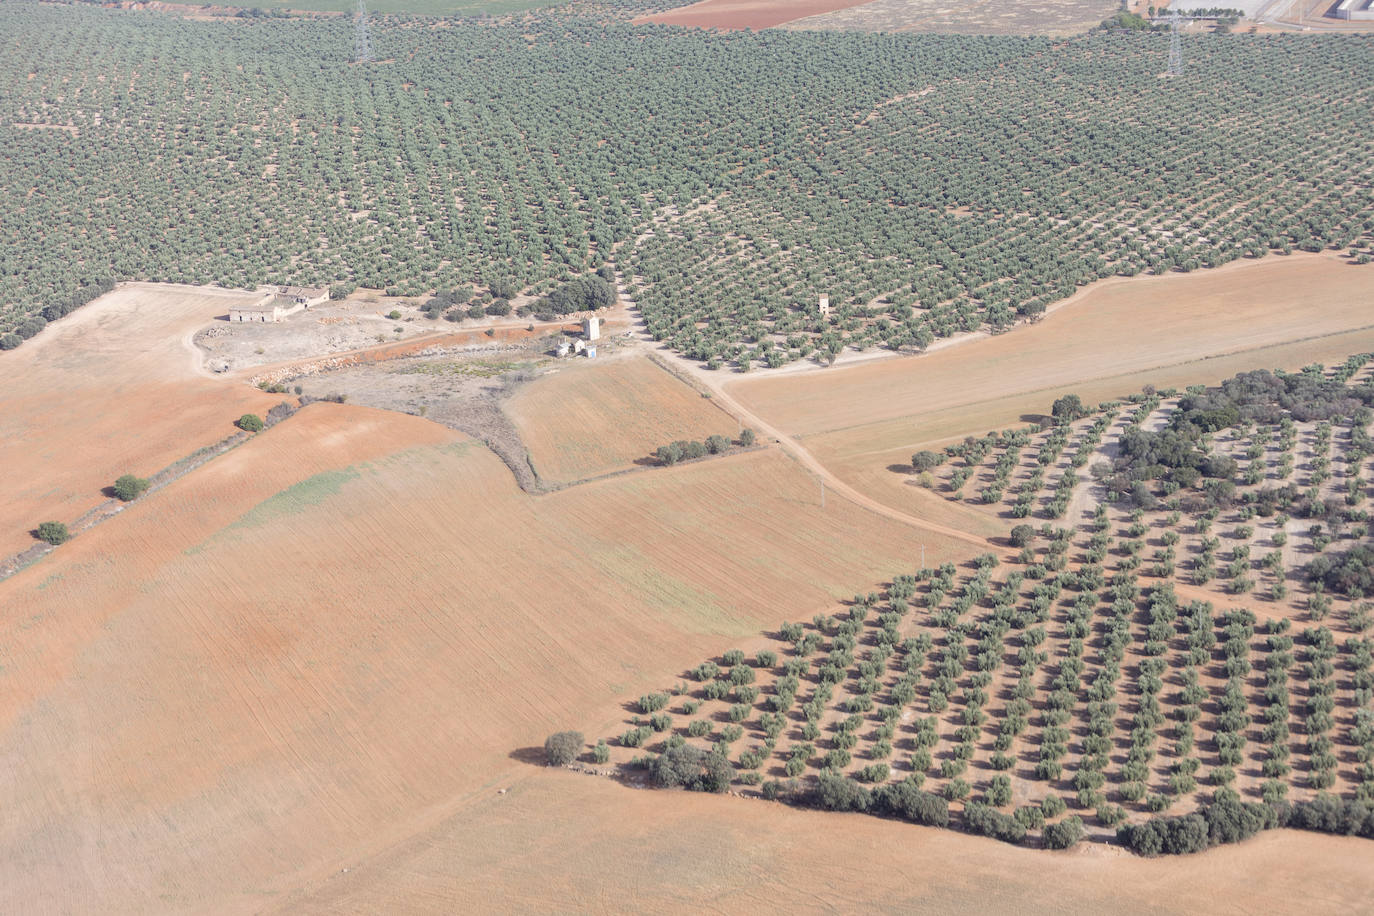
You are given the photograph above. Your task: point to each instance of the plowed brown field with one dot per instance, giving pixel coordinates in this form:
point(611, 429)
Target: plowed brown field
point(590, 418)
point(349, 622)
point(563, 842)
point(745, 14)
point(112, 389)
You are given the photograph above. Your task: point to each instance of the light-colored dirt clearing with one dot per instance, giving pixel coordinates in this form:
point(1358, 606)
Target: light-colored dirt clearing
point(744, 14)
point(593, 417)
point(113, 388)
point(313, 643)
point(559, 841)
point(1174, 330)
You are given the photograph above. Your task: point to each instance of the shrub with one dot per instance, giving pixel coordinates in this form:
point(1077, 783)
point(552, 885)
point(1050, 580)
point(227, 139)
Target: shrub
point(10, 341)
point(1063, 834)
point(669, 454)
point(874, 772)
point(653, 702)
point(741, 674)
point(1166, 835)
point(906, 800)
point(835, 792)
point(128, 487)
point(691, 768)
point(717, 444)
point(250, 423)
point(980, 818)
point(601, 753)
point(561, 748)
point(998, 794)
point(54, 533)
point(926, 461)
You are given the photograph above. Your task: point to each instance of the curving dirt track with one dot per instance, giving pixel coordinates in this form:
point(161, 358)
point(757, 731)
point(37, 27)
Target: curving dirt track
point(860, 420)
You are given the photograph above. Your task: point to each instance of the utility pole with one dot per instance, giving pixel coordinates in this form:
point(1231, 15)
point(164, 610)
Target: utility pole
point(1175, 44)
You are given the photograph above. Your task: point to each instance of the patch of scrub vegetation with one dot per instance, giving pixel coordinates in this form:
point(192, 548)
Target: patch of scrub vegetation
point(1085, 685)
point(918, 213)
point(462, 368)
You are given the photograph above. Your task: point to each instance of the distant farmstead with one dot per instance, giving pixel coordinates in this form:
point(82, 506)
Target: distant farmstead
point(276, 302)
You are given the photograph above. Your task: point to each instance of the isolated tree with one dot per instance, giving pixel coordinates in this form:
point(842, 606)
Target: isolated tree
point(1021, 535)
point(54, 533)
point(128, 487)
point(926, 460)
point(562, 748)
point(250, 423)
point(1068, 408)
point(746, 437)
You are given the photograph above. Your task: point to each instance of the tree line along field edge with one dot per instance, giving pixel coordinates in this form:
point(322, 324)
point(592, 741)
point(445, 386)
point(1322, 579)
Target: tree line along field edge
point(925, 184)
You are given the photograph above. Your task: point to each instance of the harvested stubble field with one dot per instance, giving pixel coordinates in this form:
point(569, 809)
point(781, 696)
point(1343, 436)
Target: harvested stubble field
point(971, 17)
point(744, 14)
point(591, 418)
point(325, 641)
point(115, 388)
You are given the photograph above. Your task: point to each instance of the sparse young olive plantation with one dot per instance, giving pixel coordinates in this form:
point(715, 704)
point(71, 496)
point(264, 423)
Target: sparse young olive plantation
point(926, 184)
point(1087, 686)
point(1256, 487)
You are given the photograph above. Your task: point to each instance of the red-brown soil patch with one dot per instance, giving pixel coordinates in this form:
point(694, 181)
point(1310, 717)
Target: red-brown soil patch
point(744, 14)
point(316, 642)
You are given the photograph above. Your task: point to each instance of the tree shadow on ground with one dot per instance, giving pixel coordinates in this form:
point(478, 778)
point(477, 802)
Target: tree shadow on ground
point(534, 756)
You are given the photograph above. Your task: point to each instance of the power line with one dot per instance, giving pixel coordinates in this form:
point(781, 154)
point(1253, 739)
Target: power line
point(362, 39)
point(1175, 44)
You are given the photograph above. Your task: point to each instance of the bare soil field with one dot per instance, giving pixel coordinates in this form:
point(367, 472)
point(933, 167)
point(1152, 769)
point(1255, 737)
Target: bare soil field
point(743, 14)
point(972, 17)
point(594, 417)
point(311, 645)
point(114, 388)
point(557, 841)
point(1119, 336)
